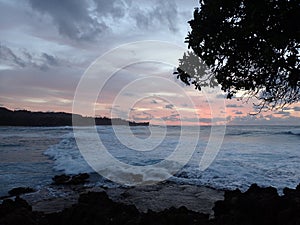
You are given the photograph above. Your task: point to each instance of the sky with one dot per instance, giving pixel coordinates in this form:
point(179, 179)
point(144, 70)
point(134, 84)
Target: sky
point(46, 47)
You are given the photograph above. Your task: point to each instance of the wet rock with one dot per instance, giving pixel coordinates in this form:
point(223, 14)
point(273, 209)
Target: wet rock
point(259, 206)
point(96, 208)
point(256, 206)
point(20, 190)
point(61, 179)
point(17, 212)
point(79, 179)
point(175, 216)
point(70, 180)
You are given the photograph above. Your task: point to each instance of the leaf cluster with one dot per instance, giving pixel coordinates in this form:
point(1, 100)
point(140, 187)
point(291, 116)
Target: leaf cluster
point(245, 45)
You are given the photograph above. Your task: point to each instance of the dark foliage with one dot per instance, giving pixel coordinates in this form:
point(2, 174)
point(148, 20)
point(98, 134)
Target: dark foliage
point(246, 45)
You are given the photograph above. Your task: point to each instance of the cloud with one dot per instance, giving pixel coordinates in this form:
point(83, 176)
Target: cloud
point(169, 106)
point(164, 12)
point(88, 20)
point(234, 106)
point(22, 59)
point(287, 108)
point(113, 8)
point(221, 96)
point(172, 117)
point(296, 108)
point(238, 112)
point(144, 116)
point(7, 55)
point(72, 18)
point(284, 113)
point(212, 120)
point(50, 59)
point(264, 120)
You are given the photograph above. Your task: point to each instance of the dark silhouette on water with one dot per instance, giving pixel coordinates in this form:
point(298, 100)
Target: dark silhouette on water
point(28, 118)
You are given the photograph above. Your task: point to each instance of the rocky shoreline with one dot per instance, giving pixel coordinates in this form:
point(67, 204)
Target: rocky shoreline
point(163, 203)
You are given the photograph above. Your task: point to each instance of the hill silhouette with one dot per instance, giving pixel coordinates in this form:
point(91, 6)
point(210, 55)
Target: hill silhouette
point(28, 118)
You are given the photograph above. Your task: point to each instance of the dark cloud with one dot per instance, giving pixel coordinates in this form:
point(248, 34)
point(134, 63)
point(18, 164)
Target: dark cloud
point(72, 18)
point(296, 108)
point(50, 59)
point(205, 120)
point(169, 106)
point(220, 96)
point(7, 55)
point(238, 112)
point(172, 117)
point(287, 108)
point(191, 120)
point(212, 120)
point(164, 12)
point(144, 116)
point(283, 113)
point(128, 94)
point(234, 106)
point(113, 8)
point(23, 58)
point(88, 20)
point(264, 120)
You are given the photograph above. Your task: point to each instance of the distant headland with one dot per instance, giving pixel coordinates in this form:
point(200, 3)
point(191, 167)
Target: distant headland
point(28, 118)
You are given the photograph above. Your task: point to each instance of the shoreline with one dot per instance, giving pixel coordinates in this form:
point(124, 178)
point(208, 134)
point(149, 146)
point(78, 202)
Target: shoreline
point(157, 197)
point(162, 203)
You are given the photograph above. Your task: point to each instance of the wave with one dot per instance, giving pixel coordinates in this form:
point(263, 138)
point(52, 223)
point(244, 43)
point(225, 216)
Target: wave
point(290, 132)
point(254, 132)
point(245, 133)
point(294, 132)
point(239, 164)
point(67, 157)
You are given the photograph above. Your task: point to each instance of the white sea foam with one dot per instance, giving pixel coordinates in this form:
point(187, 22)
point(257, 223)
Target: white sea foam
point(67, 157)
point(255, 154)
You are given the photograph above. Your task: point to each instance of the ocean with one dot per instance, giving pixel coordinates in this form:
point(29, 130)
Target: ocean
point(266, 155)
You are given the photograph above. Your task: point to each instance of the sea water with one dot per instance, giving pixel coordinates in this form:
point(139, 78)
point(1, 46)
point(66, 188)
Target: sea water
point(266, 155)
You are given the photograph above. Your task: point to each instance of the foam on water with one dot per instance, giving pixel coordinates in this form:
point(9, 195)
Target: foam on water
point(267, 155)
point(66, 156)
point(264, 155)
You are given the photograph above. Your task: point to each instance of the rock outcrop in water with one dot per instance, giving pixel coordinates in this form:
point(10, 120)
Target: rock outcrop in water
point(70, 180)
point(257, 206)
point(20, 190)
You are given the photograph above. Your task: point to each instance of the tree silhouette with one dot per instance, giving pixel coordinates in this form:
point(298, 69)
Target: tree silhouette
point(246, 45)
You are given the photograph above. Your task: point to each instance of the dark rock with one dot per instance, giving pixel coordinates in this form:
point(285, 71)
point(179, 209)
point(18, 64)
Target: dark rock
point(17, 212)
point(79, 179)
point(96, 208)
point(20, 190)
point(61, 179)
point(175, 216)
point(70, 180)
point(259, 206)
